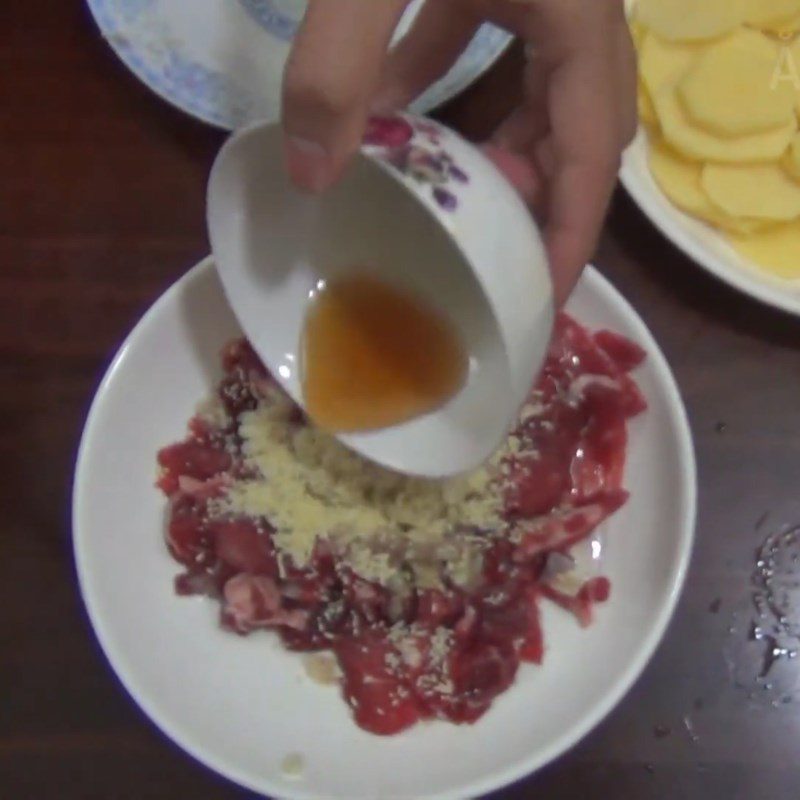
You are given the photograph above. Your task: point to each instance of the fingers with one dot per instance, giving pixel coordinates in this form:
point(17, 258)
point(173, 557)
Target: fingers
point(578, 113)
point(587, 128)
point(586, 148)
point(529, 122)
point(330, 79)
point(440, 33)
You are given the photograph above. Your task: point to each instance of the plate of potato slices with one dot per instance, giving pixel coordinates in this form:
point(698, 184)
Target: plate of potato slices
point(716, 162)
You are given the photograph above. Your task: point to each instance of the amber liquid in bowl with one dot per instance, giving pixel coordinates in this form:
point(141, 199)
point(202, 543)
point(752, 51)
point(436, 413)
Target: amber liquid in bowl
point(375, 356)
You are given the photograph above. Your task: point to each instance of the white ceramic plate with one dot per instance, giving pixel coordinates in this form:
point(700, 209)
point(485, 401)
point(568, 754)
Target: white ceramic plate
point(241, 705)
point(702, 243)
point(222, 60)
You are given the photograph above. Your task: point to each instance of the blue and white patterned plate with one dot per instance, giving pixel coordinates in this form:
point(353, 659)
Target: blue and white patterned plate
point(221, 60)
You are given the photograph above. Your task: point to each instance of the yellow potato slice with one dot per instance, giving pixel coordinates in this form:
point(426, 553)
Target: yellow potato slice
point(776, 249)
point(662, 63)
point(741, 226)
point(759, 191)
point(784, 28)
point(679, 179)
point(693, 142)
point(789, 69)
point(638, 32)
point(763, 13)
point(690, 20)
point(647, 111)
point(733, 88)
point(791, 161)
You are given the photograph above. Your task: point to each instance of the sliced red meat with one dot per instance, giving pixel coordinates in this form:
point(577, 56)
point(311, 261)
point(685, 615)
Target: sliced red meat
point(382, 703)
point(468, 626)
point(251, 601)
point(237, 395)
point(633, 401)
point(254, 601)
point(436, 608)
point(626, 354)
point(194, 459)
point(203, 490)
point(239, 355)
point(563, 530)
point(479, 673)
point(186, 535)
point(531, 648)
point(572, 349)
point(367, 599)
point(537, 485)
point(449, 652)
point(599, 464)
point(518, 622)
point(239, 544)
point(596, 590)
point(199, 582)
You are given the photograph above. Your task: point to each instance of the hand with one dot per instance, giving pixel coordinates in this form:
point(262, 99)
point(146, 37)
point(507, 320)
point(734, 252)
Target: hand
point(561, 147)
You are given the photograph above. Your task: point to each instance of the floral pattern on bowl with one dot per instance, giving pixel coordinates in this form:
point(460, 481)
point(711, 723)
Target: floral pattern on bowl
point(413, 148)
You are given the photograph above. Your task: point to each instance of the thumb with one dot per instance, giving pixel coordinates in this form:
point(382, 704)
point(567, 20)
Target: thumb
point(331, 76)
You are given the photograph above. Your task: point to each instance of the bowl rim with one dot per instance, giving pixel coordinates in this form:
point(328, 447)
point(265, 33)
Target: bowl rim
point(499, 778)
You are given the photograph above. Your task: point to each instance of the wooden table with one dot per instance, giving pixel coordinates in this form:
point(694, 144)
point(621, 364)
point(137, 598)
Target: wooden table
point(101, 207)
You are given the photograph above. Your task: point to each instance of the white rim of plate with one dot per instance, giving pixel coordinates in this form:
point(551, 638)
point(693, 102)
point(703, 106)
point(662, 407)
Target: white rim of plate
point(494, 40)
point(498, 779)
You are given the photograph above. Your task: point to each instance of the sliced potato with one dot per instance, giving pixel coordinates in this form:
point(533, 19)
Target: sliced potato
point(690, 20)
point(791, 161)
point(760, 191)
point(679, 179)
point(721, 102)
point(789, 69)
point(638, 32)
point(693, 142)
point(776, 249)
point(766, 13)
point(733, 88)
point(662, 63)
point(784, 28)
point(647, 111)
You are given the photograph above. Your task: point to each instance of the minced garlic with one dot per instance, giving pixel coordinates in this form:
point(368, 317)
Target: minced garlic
point(293, 766)
point(322, 669)
point(309, 486)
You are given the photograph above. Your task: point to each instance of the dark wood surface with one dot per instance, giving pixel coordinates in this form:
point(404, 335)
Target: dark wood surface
point(101, 207)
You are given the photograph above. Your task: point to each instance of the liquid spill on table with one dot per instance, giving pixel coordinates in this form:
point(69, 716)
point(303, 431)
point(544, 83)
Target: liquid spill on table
point(688, 726)
point(764, 638)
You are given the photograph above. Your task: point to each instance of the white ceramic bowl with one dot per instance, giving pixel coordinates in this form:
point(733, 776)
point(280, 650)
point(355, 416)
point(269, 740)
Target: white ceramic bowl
point(423, 209)
point(241, 705)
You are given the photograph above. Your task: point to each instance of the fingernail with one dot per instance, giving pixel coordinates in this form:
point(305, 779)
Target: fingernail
point(309, 164)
